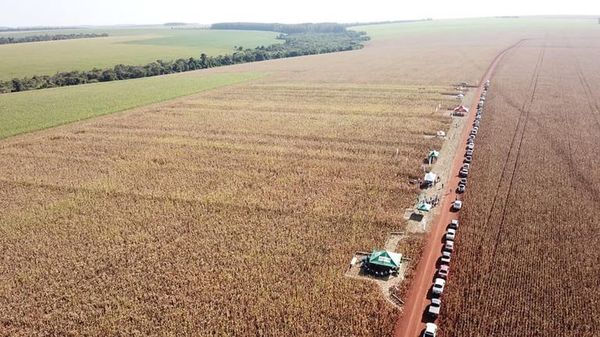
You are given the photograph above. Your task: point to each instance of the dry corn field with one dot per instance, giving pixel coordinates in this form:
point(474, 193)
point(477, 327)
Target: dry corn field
point(233, 212)
point(527, 253)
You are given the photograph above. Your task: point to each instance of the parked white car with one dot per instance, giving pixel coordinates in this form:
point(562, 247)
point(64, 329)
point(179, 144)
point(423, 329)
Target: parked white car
point(444, 271)
point(446, 257)
point(438, 286)
point(453, 224)
point(457, 205)
point(451, 234)
point(435, 307)
point(430, 330)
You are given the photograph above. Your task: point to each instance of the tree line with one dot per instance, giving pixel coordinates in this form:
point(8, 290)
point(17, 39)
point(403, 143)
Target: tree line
point(294, 45)
point(325, 27)
point(28, 29)
point(47, 37)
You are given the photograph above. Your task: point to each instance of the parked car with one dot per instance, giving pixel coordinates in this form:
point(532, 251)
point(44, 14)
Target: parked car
point(474, 132)
point(469, 152)
point(434, 307)
point(446, 257)
point(471, 146)
point(468, 159)
point(463, 172)
point(449, 245)
point(461, 188)
point(453, 224)
point(438, 286)
point(463, 181)
point(444, 271)
point(430, 330)
point(456, 205)
point(450, 234)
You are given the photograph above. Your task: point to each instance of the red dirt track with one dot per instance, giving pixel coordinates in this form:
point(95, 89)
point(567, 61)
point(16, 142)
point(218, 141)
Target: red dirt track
point(410, 321)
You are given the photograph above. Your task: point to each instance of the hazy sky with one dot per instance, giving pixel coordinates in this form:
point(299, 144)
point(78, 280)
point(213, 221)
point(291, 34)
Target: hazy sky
point(102, 12)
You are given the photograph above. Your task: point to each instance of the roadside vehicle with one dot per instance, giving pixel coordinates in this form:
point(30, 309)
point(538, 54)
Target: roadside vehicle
point(438, 286)
point(468, 159)
point(453, 224)
point(430, 330)
point(434, 307)
point(461, 188)
point(464, 172)
point(463, 181)
point(471, 146)
point(450, 234)
point(456, 205)
point(469, 152)
point(449, 246)
point(446, 257)
point(444, 271)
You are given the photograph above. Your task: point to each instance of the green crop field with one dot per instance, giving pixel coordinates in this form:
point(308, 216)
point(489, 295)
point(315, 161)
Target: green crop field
point(126, 46)
point(34, 110)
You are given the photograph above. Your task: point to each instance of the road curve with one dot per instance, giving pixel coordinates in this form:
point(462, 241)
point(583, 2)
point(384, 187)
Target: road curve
point(409, 323)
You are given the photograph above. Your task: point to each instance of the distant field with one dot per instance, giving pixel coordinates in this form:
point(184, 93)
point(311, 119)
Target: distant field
point(34, 110)
point(441, 28)
point(126, 46)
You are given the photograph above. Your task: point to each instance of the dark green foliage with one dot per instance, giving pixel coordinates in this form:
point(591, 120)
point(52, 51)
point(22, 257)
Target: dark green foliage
point(325, 27)
point(46, 37)
point(295, 45)
point(175, 24)
point(26, 29)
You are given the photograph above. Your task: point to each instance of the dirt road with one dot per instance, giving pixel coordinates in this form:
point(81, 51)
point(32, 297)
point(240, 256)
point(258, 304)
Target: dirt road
point(410, 323)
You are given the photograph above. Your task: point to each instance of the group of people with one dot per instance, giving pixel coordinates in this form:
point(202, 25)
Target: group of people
point(433, 201)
